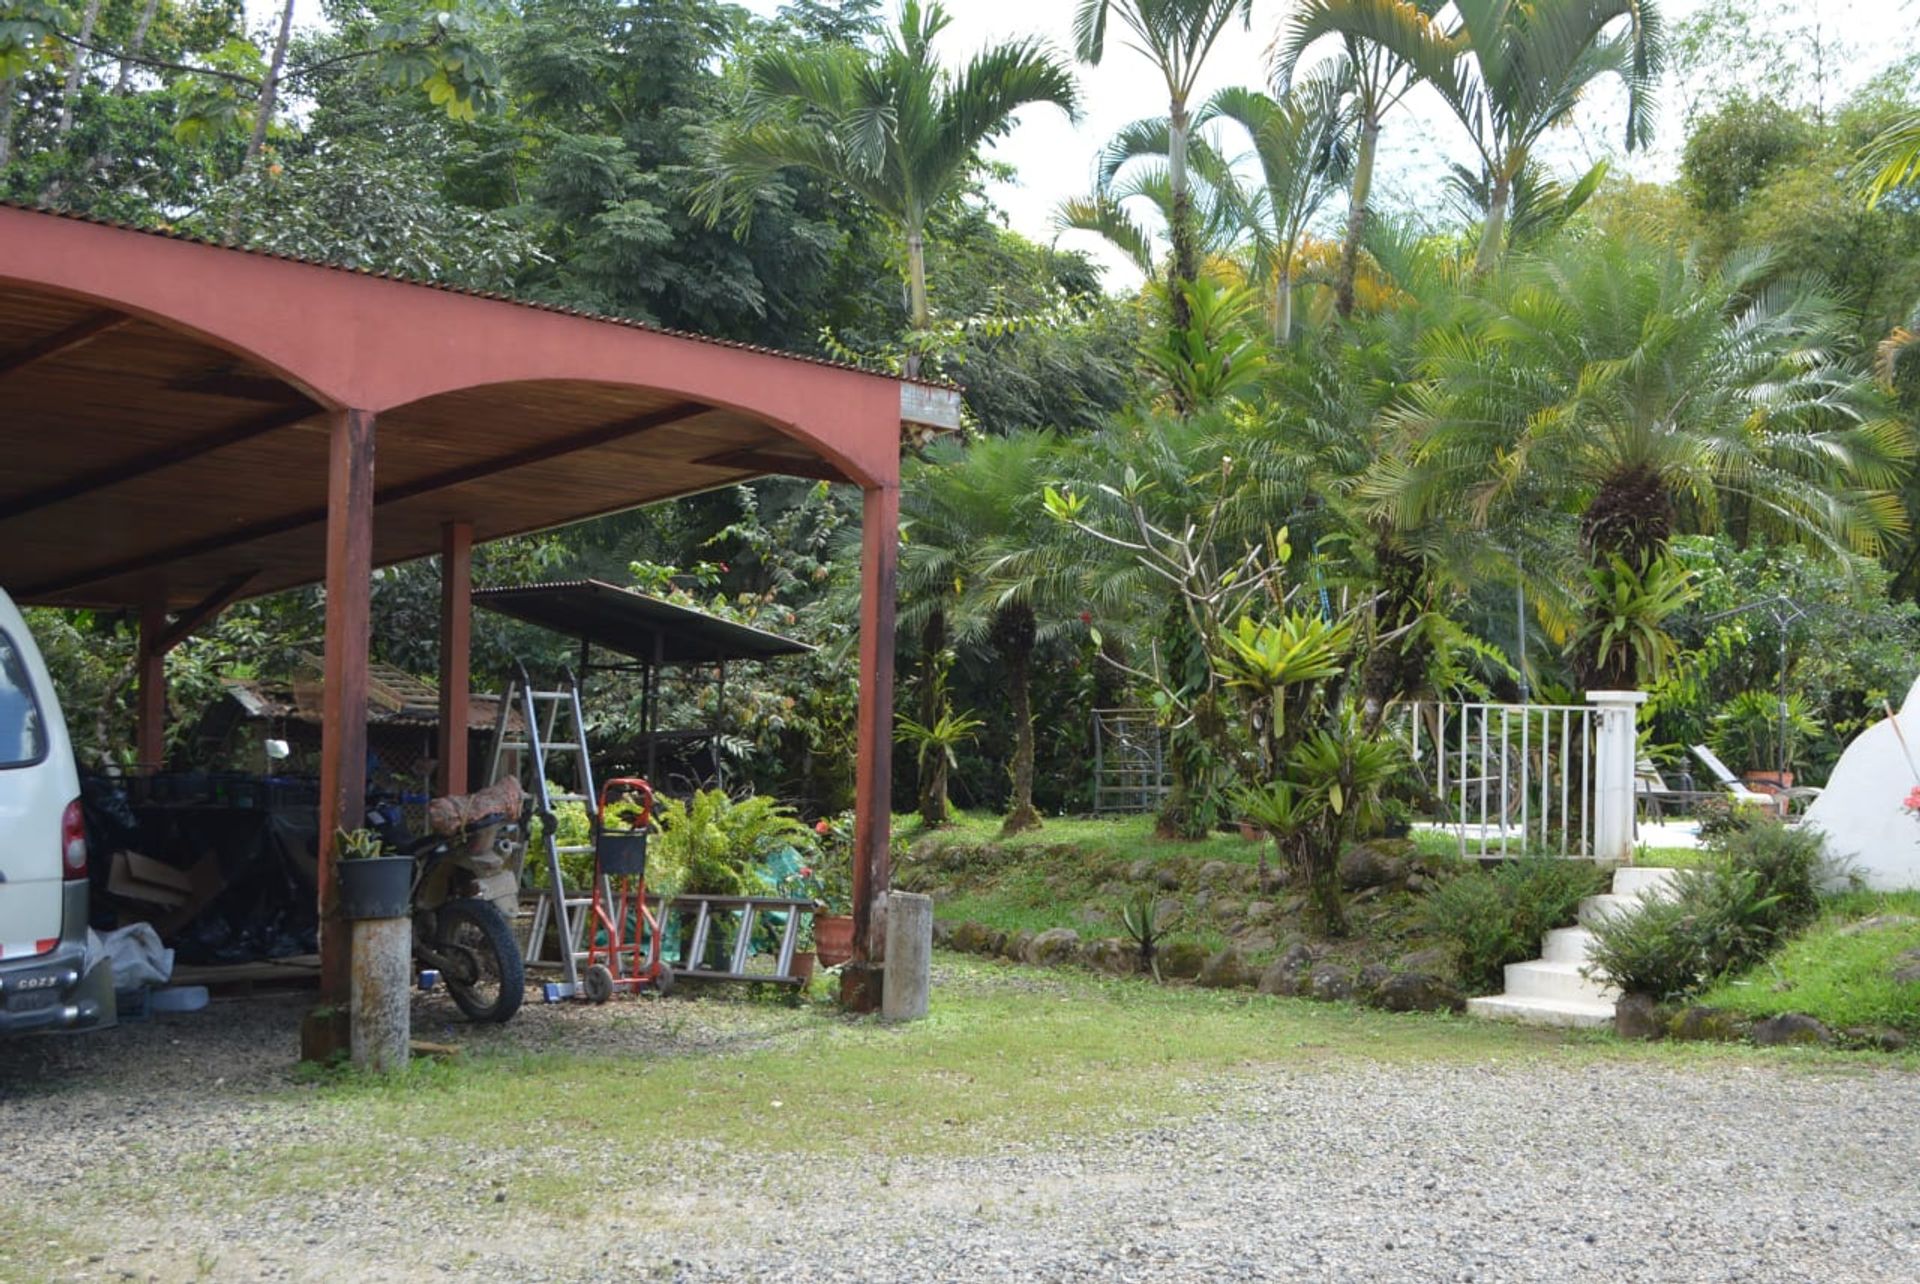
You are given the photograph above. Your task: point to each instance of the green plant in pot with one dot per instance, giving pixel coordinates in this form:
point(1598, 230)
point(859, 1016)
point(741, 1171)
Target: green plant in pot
point(1751, 735)
point(833, 894)
point(373, 884)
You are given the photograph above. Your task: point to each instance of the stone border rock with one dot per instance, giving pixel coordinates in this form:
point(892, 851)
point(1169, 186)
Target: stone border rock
point(1414, 986)
point(1638, 1016)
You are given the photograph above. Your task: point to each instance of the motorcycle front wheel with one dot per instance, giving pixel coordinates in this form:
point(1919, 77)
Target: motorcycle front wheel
point(484, 971)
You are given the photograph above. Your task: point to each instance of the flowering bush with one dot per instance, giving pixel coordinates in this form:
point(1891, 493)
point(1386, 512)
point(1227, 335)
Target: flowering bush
point(832, 870)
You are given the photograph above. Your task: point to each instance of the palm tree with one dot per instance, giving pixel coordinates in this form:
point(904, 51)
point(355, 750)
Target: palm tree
point(977, 541)
point(1302, 156)
point(892, 125)
point(1509, 71)
point(1385, 48)
point(1134, 179)
point(1632, 387)
point(1176, 36)
point(1892, 160)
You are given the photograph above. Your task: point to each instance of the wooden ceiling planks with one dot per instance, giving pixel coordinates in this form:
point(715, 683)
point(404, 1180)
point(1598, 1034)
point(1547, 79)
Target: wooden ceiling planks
point(140, 457)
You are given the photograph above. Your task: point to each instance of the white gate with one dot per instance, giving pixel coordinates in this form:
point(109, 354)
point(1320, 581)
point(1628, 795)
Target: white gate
point(1513, 779)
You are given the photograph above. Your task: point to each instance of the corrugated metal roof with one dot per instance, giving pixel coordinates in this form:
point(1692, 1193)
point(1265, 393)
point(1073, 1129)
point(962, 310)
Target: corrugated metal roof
point(492, 296)
point(646, 628)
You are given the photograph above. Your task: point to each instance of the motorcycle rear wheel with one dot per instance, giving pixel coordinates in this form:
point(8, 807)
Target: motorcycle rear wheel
point(485, 974)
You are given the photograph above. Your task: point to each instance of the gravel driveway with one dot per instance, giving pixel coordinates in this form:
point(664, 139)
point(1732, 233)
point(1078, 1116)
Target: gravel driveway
point(1628, 1171)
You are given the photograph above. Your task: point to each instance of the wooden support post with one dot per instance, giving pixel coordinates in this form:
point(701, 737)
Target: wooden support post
point(157, 637)
point(873, 786)
point(343, 726)
point(456, 639)
point(150, 706)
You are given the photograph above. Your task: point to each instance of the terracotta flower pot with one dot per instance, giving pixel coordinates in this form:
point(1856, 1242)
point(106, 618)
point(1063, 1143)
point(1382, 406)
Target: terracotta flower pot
point(833, 938)
point(803, 962)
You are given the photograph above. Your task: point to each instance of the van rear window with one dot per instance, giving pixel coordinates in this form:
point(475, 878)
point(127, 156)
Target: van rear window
point(23, 732)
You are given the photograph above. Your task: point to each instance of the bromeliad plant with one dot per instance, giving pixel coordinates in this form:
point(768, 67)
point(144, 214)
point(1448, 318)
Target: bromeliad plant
point(1148, 920)
point(1309, 771)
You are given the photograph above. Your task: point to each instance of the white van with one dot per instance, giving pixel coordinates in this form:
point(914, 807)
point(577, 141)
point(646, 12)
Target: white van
point(45, 983)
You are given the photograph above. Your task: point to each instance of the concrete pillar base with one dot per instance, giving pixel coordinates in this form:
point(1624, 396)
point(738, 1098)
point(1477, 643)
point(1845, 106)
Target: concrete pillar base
point(382, 1007)
point(909, 971)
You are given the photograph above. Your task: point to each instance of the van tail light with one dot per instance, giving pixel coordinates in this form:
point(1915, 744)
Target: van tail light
point(73, 840)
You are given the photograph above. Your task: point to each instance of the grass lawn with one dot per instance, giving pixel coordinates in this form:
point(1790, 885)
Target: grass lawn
point(1838, 975)
point(1052, 876)
point(1009, 1055)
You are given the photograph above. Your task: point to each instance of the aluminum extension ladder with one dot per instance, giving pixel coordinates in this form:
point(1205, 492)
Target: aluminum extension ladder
point(555, 726)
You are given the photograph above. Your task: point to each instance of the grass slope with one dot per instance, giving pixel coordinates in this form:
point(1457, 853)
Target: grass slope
point(1835, 973)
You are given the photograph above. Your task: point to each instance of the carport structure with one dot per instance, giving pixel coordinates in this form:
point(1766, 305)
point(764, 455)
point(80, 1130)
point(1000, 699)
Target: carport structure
point(186, 425)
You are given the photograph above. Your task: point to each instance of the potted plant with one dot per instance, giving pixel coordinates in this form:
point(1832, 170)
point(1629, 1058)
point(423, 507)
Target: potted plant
point(372, 883)
point(803, 884)
point(833, 895)
point(1753, 737)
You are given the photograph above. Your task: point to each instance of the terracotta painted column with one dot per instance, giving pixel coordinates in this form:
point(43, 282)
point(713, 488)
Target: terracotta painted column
point(873, 789)
point(456, 655)
point(150, 704)
point(343, 729)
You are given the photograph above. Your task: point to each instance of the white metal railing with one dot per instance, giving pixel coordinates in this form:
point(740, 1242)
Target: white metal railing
point(1511, 779)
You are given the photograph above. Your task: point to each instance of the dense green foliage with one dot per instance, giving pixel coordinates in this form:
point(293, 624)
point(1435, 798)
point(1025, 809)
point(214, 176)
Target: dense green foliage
point(1489, 918)
point(1760, 885)
point(1621, 411)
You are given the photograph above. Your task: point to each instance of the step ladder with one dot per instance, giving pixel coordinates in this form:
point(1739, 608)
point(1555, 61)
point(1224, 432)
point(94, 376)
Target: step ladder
point(701, 917)
point(554, 727)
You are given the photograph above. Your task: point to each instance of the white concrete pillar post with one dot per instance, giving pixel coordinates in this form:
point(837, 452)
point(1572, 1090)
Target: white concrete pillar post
point(382, 998)
point(1616, 741)
point(909, 973)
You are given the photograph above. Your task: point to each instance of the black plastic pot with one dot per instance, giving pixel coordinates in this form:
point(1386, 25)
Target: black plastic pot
point(376, 887)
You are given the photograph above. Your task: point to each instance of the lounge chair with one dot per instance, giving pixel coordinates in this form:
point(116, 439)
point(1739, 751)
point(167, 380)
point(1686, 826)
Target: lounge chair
point(1781, 801)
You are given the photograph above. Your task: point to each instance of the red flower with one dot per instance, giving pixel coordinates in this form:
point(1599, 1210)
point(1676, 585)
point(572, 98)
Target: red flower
point(1086, 617)
point(823, 829)
point(1912, 803)
point(806, 871)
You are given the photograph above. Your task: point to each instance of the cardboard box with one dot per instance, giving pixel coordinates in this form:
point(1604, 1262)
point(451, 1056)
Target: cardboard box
point(153, 882)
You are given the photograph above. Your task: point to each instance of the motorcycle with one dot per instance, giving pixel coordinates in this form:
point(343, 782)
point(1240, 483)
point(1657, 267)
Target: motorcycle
point(466, 889)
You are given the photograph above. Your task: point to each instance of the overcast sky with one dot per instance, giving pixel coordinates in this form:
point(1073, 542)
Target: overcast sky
point(1053, 159)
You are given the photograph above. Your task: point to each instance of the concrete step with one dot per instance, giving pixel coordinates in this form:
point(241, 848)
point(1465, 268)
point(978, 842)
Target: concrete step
point(1642, 880)
point(1543, 980)
point(1594, 908)
point(1567, 1013)
point(1567, 945)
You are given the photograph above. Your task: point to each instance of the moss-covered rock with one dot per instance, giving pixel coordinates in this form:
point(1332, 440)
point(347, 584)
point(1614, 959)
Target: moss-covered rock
point(972, 938)
point(1330, 984)
point(1701, 1024)
point(1053, 947)
point(1182, 960)
point(1110, 955)
point(1226, 970)
point(1418, 992)
point(1791, 1029)
point(1015, 947)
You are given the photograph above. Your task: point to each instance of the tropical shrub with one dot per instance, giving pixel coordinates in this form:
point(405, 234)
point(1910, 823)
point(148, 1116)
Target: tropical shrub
point(1761, 886)
point(1492, 917)
point(711, 844)
point(1748, 731)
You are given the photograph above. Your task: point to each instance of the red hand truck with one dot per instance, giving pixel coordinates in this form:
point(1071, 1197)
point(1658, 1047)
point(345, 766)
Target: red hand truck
point(617, 957)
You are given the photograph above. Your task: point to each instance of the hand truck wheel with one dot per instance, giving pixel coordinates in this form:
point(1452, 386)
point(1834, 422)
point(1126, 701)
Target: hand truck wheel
point(663, 983)
point(599, 983)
